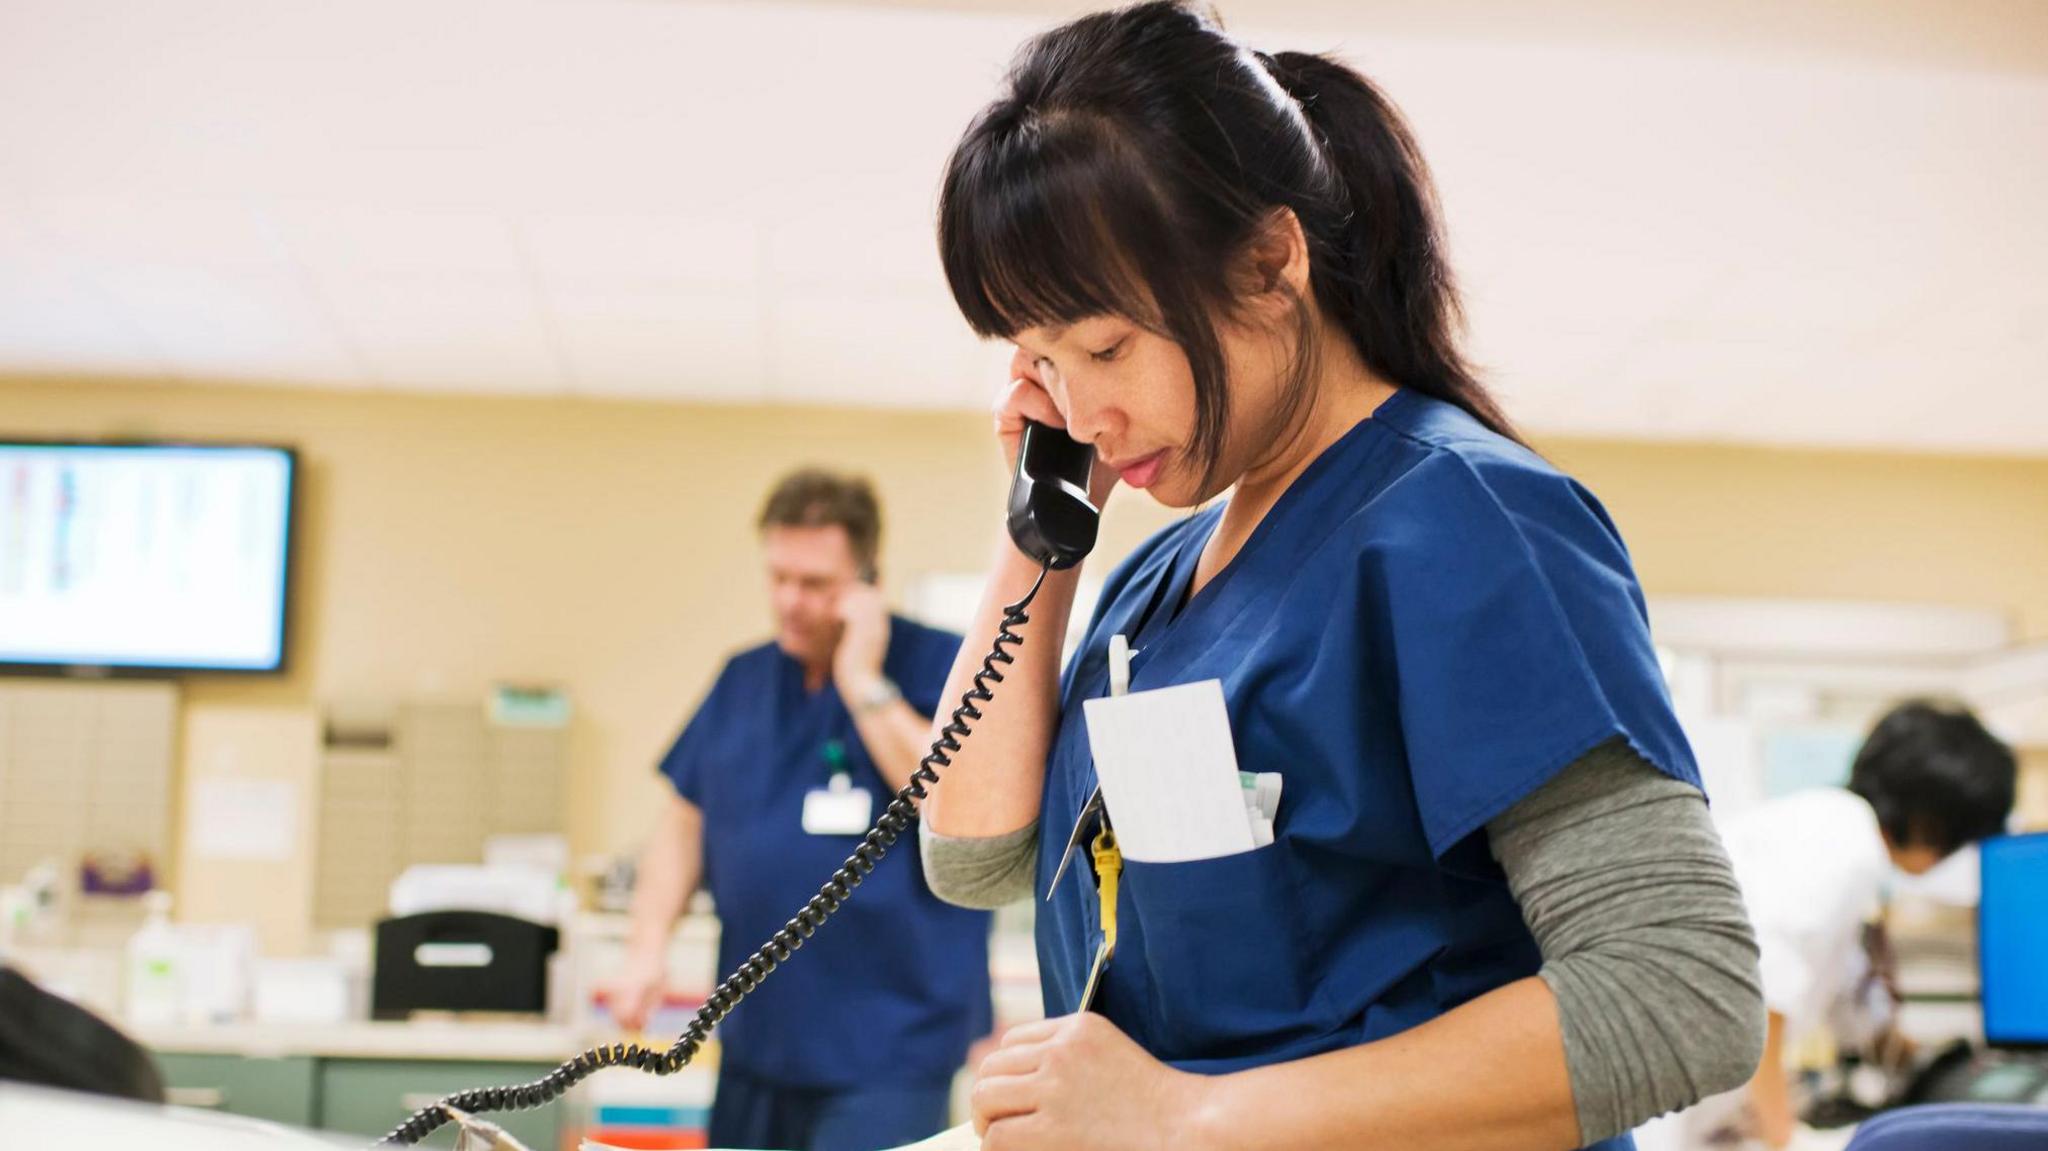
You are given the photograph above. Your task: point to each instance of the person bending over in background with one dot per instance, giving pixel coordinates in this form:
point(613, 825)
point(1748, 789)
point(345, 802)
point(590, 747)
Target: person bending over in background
point(1814, 867)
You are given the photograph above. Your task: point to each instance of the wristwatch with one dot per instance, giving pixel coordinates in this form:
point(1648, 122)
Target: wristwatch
point(879, 695)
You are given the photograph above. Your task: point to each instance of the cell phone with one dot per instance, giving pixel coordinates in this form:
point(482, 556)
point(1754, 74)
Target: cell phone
point(1051, 517)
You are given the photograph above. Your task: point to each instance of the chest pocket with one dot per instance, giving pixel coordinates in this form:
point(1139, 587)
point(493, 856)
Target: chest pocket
point(1221, 962)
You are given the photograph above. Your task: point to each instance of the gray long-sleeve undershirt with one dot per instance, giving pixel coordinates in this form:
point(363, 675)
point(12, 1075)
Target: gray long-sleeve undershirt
point(1624, 884)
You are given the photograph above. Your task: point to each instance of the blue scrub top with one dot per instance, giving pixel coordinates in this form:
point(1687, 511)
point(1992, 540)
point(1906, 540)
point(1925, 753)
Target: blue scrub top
point(1428, 625)
point(896, 981)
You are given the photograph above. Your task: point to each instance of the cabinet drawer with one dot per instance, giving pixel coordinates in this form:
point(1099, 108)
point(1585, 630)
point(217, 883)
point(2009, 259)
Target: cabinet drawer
point(371, 1096)
point(281, 1090)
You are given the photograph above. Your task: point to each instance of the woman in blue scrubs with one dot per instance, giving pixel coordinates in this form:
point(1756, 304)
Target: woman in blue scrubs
point(1494, 914)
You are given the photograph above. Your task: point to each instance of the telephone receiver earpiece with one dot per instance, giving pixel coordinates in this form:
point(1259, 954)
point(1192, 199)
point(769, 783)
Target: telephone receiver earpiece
point(1051, 517)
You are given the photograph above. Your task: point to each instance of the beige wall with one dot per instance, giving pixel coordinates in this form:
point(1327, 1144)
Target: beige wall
point(607, 546)
point(1712, 520)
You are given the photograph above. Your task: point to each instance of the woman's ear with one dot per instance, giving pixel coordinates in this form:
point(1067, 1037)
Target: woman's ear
point(1273, 269)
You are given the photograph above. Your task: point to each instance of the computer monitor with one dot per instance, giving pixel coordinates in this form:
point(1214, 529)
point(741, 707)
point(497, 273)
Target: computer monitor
point(144, 557)
point(2012, 940)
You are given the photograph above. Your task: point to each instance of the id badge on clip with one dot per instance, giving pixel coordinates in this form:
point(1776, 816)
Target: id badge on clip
point(838, 808)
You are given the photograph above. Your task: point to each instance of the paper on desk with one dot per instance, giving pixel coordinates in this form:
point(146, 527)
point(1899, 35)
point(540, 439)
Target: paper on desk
point(961, 1138)
point(1169, 773)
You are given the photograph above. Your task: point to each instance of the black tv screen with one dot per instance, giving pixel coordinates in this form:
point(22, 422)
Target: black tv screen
point(144, 557)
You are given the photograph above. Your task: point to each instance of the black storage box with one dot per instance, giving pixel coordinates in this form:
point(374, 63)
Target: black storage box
point(461, 961)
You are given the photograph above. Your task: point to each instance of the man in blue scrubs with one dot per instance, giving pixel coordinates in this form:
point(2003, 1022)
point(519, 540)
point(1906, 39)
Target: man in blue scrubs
point(802, 741)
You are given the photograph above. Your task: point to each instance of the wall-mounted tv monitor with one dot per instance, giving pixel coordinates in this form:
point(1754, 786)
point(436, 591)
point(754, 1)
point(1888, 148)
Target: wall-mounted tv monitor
point(144, 557)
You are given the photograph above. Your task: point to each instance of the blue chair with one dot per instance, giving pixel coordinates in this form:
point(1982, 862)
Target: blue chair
point(1956, 1127)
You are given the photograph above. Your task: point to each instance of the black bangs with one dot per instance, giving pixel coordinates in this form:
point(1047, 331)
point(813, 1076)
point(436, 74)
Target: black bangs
point(1043, 220)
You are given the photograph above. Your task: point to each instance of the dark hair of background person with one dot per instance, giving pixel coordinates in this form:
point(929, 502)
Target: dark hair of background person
point(1935, 777)
point(52, 1042)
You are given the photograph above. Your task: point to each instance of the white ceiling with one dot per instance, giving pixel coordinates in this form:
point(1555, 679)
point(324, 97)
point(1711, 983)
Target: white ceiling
point(1800, 222)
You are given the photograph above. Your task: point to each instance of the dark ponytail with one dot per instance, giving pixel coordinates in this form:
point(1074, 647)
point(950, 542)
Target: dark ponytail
point(1133, 156)
point(1389, 282)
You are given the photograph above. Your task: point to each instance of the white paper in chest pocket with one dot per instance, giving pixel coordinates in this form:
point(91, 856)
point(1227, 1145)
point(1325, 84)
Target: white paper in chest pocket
point(1168, 769)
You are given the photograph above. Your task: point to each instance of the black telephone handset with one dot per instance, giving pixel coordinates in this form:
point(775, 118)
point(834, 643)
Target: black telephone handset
point(1051, 517)
point(1054, 522)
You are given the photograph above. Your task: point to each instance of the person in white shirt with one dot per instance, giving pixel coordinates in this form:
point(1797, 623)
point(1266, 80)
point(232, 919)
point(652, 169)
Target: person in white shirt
point(1814, 867)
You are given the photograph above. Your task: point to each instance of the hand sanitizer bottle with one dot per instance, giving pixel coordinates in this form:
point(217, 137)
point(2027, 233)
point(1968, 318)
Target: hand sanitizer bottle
point(156, 985)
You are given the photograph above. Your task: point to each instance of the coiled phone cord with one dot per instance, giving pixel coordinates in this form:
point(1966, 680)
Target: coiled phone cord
point(894, 821)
